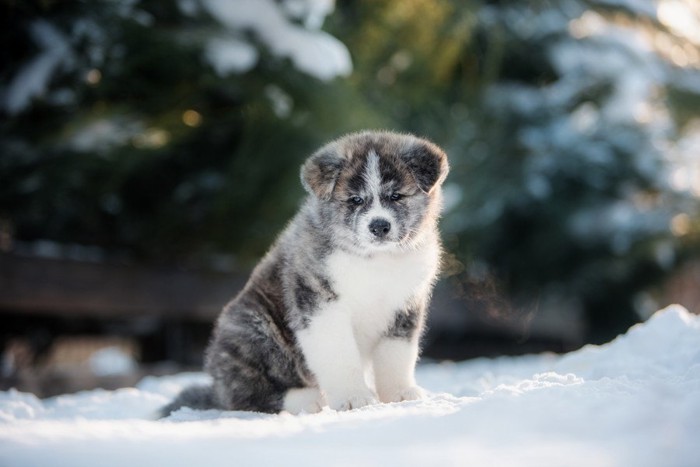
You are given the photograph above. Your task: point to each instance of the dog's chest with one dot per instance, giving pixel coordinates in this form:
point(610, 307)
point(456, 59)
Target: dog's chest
point(375, 288)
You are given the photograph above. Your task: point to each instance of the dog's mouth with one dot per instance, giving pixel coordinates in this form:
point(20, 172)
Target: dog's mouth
point(382, 243)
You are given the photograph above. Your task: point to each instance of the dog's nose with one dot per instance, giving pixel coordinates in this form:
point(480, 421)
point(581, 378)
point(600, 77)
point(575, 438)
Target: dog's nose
point(379, 227)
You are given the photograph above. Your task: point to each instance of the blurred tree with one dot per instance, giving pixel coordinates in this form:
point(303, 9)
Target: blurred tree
point(166, 131)
point(172, 131)
point(567, 132)
point(578, 132)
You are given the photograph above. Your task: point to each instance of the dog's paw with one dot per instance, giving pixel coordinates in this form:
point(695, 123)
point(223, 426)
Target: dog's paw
point(353, 401)
point(303, 400)
point(410, 393)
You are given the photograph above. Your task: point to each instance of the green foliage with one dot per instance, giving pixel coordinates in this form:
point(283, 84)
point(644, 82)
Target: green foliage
point(106, 157)
point(560, 191)
point(560, 168)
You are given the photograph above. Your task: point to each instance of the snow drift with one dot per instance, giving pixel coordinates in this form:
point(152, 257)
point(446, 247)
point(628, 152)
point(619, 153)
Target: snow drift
point(634, 401)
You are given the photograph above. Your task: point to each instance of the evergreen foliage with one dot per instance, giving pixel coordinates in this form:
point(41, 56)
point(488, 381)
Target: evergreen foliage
point(172, 131)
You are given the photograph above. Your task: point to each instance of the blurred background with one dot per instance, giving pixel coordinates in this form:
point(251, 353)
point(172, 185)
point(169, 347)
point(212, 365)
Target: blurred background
point(149, 154)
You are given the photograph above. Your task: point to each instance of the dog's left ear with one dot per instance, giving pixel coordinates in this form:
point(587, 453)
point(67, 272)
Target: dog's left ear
point(428, 164)
point(320, 172)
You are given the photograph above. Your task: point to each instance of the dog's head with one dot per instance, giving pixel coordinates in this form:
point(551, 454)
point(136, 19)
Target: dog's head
point(379, 189)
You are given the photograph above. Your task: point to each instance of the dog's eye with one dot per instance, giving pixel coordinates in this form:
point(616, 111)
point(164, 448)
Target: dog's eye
point(395, 196)
point(356, 200)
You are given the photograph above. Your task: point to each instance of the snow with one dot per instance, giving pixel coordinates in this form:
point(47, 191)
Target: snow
point(311, 51)
point(32, 79)
point(230, 55)
point(642, 7)
point(608, 111)
point(290, 29)
point(634, 401)
point(683, 160)
point(312, 12)
point(112, 361)
point(682, 17)
point(102, 134)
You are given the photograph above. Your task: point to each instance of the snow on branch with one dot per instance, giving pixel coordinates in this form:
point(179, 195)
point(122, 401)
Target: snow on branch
point(311, 51)
point(32, 79)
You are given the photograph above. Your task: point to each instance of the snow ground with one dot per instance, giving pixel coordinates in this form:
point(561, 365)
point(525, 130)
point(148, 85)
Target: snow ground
point(632, 402)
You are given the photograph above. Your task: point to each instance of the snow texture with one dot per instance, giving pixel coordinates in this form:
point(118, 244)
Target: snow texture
point(634, 401)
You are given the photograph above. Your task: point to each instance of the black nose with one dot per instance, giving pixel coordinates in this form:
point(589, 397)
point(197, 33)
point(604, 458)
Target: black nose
point(379, 227)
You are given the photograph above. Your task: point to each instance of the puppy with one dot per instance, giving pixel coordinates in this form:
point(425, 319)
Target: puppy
point(333, 313)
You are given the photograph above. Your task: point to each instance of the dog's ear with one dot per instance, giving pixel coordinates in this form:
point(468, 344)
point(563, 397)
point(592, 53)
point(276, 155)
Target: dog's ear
point(320, 172)
point(427, 163)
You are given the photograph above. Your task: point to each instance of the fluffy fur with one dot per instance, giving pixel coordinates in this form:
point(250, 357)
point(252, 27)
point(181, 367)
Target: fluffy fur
point(333, 314)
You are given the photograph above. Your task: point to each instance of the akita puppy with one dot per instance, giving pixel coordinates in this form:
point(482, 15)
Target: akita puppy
point(333, 313)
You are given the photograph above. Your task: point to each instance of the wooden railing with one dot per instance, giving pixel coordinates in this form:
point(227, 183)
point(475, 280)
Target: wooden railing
point(70, 288)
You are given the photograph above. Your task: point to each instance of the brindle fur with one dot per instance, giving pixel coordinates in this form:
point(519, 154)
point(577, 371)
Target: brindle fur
point(253, 356)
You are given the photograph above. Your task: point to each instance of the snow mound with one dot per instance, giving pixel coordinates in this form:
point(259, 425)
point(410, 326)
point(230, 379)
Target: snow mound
point(633, 401)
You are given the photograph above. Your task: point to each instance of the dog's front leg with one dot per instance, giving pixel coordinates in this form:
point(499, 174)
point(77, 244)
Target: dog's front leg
point(332, 355)
point(394, 365)
point(395, 356)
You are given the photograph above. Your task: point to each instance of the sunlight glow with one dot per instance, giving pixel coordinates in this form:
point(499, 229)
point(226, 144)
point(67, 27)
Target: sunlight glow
point(681, 17)
point(152, 138)
point(679, 42)
point(680, 224)
point(191, 118)
point(93, 77)
point(590, 23)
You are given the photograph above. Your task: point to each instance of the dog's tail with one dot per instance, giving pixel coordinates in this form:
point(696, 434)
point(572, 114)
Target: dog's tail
point(195, 397)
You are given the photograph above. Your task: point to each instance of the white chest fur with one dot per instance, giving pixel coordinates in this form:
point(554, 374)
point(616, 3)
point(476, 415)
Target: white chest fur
point(343, 340)
point(372, 289)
